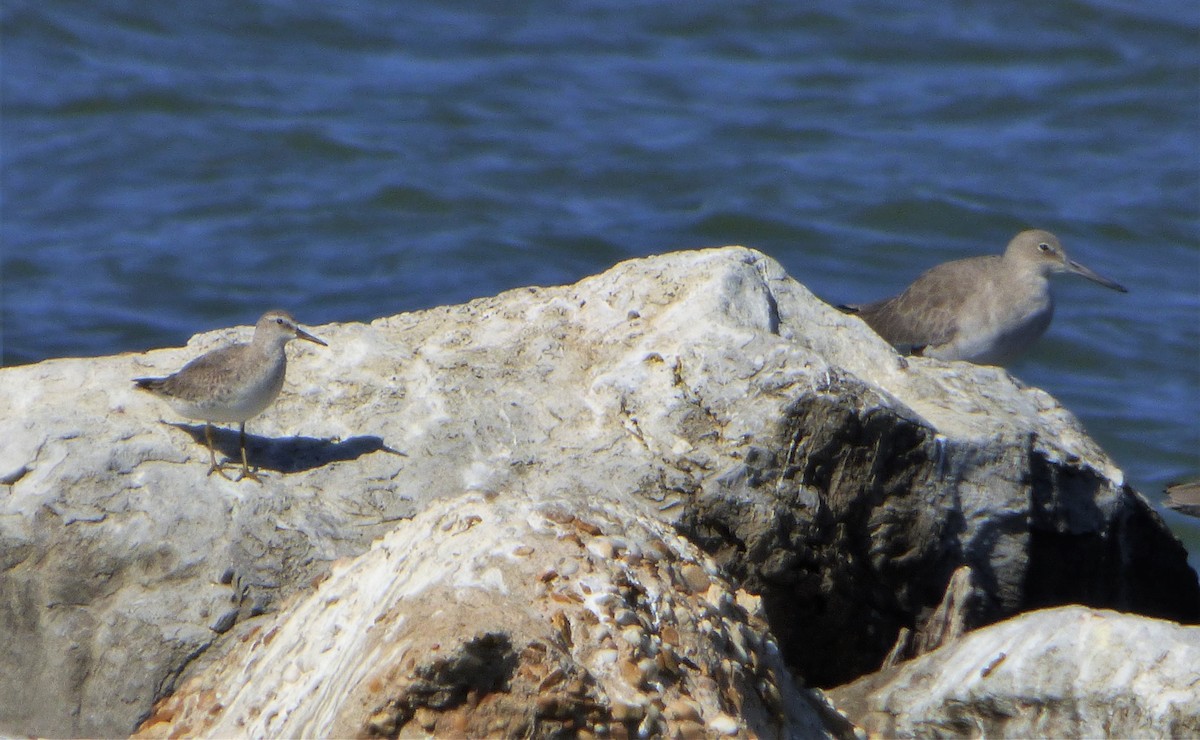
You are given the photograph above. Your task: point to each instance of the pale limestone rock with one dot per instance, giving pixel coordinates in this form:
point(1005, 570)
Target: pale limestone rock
point(1068, 672)
point(458, 624)
point(826, 476)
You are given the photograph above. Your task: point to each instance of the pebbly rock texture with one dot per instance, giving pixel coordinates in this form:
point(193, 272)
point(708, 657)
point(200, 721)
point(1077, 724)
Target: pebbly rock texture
point(705, 391)
point(493, 615)
point(1065, 672)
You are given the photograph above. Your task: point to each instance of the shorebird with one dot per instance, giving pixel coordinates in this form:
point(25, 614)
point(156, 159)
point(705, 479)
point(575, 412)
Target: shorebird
point(986, 310)
point(234, 383)
point(1184, 497)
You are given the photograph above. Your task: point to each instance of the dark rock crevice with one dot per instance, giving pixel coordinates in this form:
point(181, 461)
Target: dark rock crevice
point(849, 528)
point(1120, 564)
point(842, 571)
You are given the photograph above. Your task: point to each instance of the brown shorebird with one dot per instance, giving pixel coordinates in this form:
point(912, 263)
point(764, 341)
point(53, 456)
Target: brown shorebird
point(1184, 497)
point(987, 310)
point(233, 383)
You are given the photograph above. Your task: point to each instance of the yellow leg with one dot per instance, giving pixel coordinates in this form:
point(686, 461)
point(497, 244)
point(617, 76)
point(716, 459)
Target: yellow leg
point(246, 472)
point(212, 456)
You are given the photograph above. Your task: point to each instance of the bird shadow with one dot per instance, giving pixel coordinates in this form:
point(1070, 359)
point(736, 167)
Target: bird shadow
point(285, 454)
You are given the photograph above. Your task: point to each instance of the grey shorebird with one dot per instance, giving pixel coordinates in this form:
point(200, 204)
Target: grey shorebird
point(986, 310)
point(233, 383)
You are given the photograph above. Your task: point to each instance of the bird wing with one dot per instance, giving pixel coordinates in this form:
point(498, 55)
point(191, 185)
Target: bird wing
point(926, 314)
point(214, 365)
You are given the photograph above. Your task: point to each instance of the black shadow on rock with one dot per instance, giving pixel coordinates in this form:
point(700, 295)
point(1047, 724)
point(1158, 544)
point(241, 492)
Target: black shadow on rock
point(285, 454)
point(824, 524)
point(843, 523)
point(1130, 565)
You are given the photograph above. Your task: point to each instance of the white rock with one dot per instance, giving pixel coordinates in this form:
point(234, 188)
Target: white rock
point(1065, 672)
point(413, 633)
point(706, 391)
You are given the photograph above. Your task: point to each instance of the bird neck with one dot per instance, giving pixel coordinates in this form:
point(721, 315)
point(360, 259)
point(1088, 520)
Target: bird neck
point(268, 345)
point(1026, 273)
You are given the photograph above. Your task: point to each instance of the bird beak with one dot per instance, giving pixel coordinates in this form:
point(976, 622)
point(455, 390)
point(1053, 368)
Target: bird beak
point(301, 334)
point(1078, 269)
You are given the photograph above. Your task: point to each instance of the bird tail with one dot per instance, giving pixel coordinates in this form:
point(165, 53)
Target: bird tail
point(148, 384)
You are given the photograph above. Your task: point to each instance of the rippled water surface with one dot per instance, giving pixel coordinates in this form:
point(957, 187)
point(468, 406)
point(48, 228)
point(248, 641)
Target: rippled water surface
point(169, 168)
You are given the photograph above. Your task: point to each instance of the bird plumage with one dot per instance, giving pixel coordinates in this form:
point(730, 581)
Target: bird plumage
point(233, 383)
point(986, 310)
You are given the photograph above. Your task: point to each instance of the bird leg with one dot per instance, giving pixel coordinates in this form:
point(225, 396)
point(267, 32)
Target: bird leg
point(246, 472)
point(212, 456)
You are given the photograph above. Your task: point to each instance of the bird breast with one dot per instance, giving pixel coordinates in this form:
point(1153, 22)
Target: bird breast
point(258, 390)
point(1004, 324)
point(243, 390)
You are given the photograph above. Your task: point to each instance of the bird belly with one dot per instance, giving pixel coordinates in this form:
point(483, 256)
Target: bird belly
point(999, 341)
point(243, 398)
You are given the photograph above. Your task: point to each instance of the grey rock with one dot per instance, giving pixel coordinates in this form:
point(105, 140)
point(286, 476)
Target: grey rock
point(841, 483)
point(1067, 672)
point(457, 624)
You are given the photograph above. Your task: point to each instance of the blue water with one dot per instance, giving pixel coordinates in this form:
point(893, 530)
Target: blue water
point(169, 168)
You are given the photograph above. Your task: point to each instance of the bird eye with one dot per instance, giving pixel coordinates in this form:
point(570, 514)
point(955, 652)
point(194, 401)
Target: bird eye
point(279, 321)
point(1044, 247)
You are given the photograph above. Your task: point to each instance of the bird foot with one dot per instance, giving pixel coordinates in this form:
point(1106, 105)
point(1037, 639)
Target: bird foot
point(219, 470)
point(247, 473)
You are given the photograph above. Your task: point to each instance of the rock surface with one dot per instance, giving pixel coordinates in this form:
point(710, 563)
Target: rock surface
point(706, 391)
point(1065, 672)
point(495, 616)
